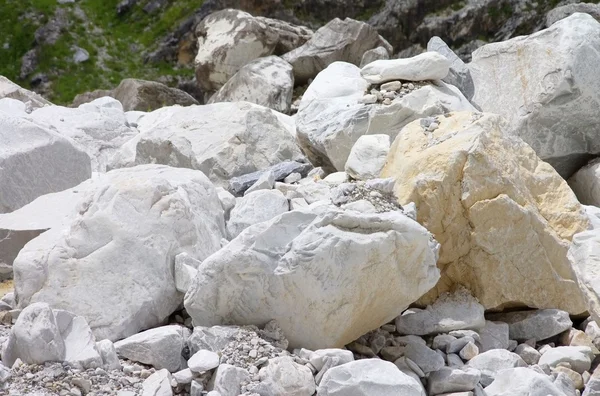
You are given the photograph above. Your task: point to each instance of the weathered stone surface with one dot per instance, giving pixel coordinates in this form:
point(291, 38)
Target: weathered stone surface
point(283, 376)
point(24, 224)
point(108, 353)
point(549, 89)
point(158, 384)
point(268, 82)
point(339, 40)
point(522, 381)
point(426, 358)
point(374, 54)
point(494, 335)
point(239, 185)
point(585, 259)
point(80, 345)
point(451, 311)
point(35, 161)
point(99, 128)
point(331, 118)
point(505, 241)
point(529, 354)
point(223, 140)
point(9, 89)
point(311, 259)
point(459, 74)
point(213, 338)
point(538, 324)
point(160, 347)
point(145, 95)
point(367, 157)
point(426, 66)
point(256, 207)
point(579, 357)
point(492, 362)
point(558, 13)
point(368, 377)
point(228, 40)
point(227, 379)
point(449, 380)
point(129, 228)
point(586, 184)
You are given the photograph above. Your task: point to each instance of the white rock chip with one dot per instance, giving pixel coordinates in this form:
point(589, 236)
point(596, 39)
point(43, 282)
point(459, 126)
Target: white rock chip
point(455, 311)
point(268, 82)
point(282, 376)
point(80, 345)
point(529, 354)
point(305, 259)
point(227, 380)
point(223, 140)
point(47, 161)
point(522, 382)
point(158, 384)
point(426, 66)
point(536, 324)
point(266, 181)
point(108, 353)
point(491, 363)
point(184, 273)
point(254, 208)
point(160, 347)
point(131, 225)
point(579, 357)
point(369, 377)
point(447, 380)
point(214, 338)
point(368, 156)
point(547, 89)
point(203, 360)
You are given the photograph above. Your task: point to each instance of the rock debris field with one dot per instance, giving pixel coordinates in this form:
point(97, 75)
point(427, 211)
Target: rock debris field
point(404, 227)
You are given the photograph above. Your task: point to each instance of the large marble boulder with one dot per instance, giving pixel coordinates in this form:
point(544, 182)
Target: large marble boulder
point(113, 262)
point(326, 275)
point(503, 217)
point(546, 85)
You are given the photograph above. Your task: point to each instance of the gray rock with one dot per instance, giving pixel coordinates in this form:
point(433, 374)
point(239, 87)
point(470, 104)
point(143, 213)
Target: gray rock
point(536, 324)
point(282, 376)
point(9, 89)
point(458, 344)
point(266, 181)
point(227, 380)
point(80, 345)
point(492, 362)
point(367, 157)
point(158, 384)
point(80, 54)
point(495, 335)
point(145, 95)
point(268, 82)
point(108, 353)
point(368, 377)
point(238, 185)
point(454, 360)
point(213, 338)
point(338, 40)
point(317, 358)
point(450, 312)
point(529, 354)
point(203, 360)
point(183, 377)
point(374, 54)
point(426, 358)
point(469, 351)
point(160, 347)
point(447, 380)
point(564, 11)
point(579, 357)
point(459, 74)
point(441, 341)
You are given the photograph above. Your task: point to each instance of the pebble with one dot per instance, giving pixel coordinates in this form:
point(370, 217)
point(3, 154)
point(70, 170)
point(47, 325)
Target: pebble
point(469, 351)
point(368, 99)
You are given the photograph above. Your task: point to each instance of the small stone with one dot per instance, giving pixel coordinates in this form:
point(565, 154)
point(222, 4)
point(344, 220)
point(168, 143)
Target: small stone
point(447, 380)
point(574, 376)
point(83, 384)
point(292, 178)
point(454, 360)
point(183, 377)
point(528, 354)
point(426, 358)
point(390, 95)
point(387, 101)
point(203, 360)
point(458, 344)
point(441, 341)
point(469, 351)
point(538, 324)
point(512, 345)
point(368, 99)
point(580, 358)
point(253, 353)
point(433, 126)
point(391, 86)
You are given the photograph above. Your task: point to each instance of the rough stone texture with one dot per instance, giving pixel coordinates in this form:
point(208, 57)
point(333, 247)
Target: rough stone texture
point(585, 259)
point(331, 118)
point(567, 10)
point(223, 140)
point(459, 74)
point(283, 376)
point(339, 40)
point(522, 381)
point(447, 380)
point(367, 157)
point(145, 95)
point(239, 185)
point(160, 347)
point(504, 218)
point(586, 184)
point(305, 267)
point(126, 234)
point(256, 207)
point(426, 66)
point(108, 353)
point(426, 358)
point(268, 82)
point(368, 377)
point(9, 89)
point(35, 161)
point(539, 324)
point(549, 89)
point(213, 338)
point(26, 223)
point(203, 360)
point(228, 40)
point(495, 335)
point(491, 363)
point(227, 379)
point(158, 384)
point(579, 357)
point(80, 345)
point(379, 53)
point(456, 311)
point(529, 354)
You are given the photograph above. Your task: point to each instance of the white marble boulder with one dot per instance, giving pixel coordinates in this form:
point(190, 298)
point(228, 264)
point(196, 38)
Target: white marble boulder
point(113, 262)
point(314, 273)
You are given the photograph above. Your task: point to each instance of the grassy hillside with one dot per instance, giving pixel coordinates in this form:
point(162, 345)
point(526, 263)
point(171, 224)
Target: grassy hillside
point(116, 44)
